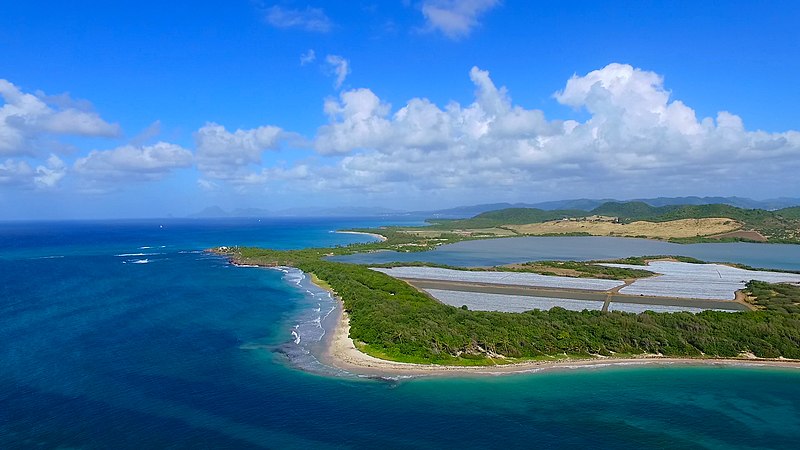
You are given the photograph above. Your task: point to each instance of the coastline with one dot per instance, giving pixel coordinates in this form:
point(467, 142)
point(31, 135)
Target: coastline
point(341, 353)
point(375, 235)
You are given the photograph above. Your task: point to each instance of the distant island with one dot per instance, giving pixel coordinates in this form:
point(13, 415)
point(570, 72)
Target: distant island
point(397, 319)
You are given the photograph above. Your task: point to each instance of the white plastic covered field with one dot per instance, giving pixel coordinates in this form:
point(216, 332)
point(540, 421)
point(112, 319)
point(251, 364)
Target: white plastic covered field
point(510, 278)
point(478, 301)
point(707, 281)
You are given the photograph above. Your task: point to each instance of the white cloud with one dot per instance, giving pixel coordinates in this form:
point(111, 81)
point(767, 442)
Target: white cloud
point(308, 57)
point(358, 120)
point(637, 139)
point(340, 68)
point(309, 19)
point(26, 119)
point(19, 173)
point(15, 172)
point(228, 156)
point(129, 162)
point(455, 18)
point(50, 173)
point(207, 185)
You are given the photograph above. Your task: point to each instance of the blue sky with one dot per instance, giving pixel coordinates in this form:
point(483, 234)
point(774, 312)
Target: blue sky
point(146, 109)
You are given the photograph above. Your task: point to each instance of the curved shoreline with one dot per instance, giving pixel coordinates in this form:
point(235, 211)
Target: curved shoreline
point(341, 352)
point(375, 235)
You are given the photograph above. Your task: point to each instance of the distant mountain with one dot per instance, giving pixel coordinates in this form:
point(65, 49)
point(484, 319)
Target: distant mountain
point(467, 211)
point(470, 211)
point(209, 213)
point(739, 202)
point(586, 204)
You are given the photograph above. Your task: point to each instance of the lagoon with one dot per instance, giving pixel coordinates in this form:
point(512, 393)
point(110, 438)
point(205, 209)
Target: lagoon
point(491, 252)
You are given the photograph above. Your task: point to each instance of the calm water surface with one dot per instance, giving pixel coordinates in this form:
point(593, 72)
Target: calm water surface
point(520, 249)
point(104, 351)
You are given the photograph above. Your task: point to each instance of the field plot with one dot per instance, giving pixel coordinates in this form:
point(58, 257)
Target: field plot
point(508, 278)
point(639, 308)
point(477, 301)
point(707, 281)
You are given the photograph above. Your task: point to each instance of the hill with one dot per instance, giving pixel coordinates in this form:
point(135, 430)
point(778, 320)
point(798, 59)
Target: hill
point(729, 222)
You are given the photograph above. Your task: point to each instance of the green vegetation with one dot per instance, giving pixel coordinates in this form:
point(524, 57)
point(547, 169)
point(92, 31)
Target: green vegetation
point(510, 216)
point(783, 298)
point(580, 269)
point(789, 213)
point(643, 260)
point(781, 226)
point(392, 320)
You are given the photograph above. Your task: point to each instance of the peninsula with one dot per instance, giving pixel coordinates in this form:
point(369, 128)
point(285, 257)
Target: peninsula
point(395, 324)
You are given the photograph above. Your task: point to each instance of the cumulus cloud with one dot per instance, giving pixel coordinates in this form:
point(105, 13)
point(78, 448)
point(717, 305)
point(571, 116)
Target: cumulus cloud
point(308, 57)
point(50, 173)
point(129, 162)
point(636, 136)
point(25, 119)
point(340, 68)
point(455, 18)
point(227, 156)
point(358, 120)
point(19, 173)
point(309, 19)
point(15, 172)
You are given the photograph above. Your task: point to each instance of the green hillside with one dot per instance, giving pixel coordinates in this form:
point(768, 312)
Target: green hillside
point(789, 213)
point(508, 216)
point(778, 226)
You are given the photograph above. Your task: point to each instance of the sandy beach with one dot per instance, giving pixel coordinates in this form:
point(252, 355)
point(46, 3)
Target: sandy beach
point(375, 235)
point(342, 353)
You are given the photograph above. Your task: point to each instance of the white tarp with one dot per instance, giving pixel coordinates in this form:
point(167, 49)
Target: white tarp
point(510, 278)
point(708, 281)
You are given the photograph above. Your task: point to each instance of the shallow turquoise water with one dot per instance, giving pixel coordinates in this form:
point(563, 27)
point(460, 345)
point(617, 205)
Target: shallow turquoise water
point(99, 352)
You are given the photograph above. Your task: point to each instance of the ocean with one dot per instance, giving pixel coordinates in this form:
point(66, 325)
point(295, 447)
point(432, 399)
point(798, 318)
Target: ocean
point(125, 334)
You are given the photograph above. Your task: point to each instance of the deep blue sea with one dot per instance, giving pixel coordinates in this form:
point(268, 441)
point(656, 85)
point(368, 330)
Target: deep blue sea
point(125, 335)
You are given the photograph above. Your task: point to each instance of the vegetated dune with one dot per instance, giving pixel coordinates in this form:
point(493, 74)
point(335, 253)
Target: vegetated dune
point(683, 228)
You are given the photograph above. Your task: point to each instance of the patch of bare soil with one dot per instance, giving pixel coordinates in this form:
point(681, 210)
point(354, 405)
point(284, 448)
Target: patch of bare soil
point(683, 228)
point(740, 234)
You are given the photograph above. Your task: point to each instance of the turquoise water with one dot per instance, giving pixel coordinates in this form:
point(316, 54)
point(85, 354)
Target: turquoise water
point(186, 351)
